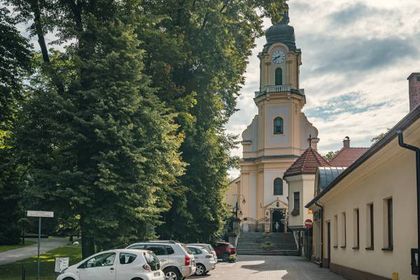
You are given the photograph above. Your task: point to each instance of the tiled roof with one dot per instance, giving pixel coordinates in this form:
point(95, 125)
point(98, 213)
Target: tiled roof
point(346, 156)
point(307, 163)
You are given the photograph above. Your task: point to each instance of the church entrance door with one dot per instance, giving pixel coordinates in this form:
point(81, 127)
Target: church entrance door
point(277, 218)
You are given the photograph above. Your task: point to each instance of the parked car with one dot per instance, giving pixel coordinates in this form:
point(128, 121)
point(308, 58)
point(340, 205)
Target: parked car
point(177, 262)
point(208, 248)
point(121, 264)
point(204, 260)
point(224, 250)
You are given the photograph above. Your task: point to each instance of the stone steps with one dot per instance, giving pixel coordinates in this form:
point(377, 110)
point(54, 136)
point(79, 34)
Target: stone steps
point(256, 243)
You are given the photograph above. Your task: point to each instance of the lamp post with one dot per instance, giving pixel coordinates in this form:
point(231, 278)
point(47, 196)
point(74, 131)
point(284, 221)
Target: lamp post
point(417, 150)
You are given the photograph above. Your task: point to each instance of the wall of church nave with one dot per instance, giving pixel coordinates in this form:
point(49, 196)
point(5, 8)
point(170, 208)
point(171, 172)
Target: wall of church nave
point(249, 193)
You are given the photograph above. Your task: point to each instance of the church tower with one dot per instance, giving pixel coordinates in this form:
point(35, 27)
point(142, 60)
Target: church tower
point(277, 135)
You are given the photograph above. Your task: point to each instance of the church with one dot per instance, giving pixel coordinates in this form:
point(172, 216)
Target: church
point(276, 137)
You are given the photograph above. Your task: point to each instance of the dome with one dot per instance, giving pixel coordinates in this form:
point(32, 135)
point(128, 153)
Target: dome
point(281, 32)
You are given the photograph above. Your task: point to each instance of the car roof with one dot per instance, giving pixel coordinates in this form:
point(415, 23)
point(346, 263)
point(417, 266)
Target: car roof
point(154, 242)
point(134, 251)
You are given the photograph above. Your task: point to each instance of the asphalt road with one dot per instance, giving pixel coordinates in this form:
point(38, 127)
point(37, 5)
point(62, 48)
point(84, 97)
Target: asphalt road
point(32, 250)
point(270, 268)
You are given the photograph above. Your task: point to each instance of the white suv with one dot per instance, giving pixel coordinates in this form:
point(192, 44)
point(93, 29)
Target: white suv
point(177, 262)
point(118, 264)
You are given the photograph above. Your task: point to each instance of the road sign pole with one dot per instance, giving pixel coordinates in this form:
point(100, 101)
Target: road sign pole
point(39, 245)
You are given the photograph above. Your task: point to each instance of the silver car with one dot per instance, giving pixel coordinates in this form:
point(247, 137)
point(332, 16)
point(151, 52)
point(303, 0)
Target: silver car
point(206, 246)
point(204, 259)
point(177, 262)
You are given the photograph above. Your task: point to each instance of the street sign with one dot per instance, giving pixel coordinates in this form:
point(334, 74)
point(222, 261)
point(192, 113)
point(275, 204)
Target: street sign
point(40, 214)
point(308, 223)
point(61, 264)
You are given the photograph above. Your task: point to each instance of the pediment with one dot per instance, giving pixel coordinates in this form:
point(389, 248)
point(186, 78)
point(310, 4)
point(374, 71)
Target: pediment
point(276, 204)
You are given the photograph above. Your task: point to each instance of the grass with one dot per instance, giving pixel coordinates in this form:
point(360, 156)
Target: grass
point(13, 271)
point(4, 248)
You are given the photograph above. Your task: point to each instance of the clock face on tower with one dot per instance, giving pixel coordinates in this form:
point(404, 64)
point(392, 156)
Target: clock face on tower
point(278, 56)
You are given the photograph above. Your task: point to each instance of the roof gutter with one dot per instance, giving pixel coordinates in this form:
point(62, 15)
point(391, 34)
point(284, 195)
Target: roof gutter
point(417, 151)
point(322, 232)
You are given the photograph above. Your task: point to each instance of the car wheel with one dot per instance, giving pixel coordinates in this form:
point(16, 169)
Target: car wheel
point(68, 278)
point(172, 274)
point(201, 270)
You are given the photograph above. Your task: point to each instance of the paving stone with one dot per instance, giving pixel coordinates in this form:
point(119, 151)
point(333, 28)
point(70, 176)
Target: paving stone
point(270, 268)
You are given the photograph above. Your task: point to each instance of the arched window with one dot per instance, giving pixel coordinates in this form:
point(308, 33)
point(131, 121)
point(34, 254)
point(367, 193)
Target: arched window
point(278, 125)
point(278, 186)
point(279, 77)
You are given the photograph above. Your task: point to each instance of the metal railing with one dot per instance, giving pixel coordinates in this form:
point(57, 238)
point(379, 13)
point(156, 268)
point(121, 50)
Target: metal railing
point(278, 89)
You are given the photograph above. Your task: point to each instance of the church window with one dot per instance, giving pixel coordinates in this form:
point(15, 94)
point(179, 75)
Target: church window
point(278, 186)
point(278, 126)
point(278, 77)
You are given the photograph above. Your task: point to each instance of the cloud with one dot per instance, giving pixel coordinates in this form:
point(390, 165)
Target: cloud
point(353, 102)
point(355, 12)
point(357, 54)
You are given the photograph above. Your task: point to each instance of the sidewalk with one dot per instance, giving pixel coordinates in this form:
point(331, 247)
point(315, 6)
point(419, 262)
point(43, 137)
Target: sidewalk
point(32, 250)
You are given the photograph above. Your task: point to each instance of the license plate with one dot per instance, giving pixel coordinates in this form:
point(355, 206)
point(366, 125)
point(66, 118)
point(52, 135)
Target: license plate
point(157, 273)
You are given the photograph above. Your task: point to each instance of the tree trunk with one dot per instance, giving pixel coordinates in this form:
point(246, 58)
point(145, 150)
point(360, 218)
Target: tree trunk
point(88, 241)
point(39, 31)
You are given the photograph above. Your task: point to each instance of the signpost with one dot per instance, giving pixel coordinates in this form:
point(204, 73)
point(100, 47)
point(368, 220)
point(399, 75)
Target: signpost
point(308, 223)
point(39, 215)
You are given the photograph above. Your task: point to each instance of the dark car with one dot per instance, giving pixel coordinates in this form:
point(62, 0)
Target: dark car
point(224, 250)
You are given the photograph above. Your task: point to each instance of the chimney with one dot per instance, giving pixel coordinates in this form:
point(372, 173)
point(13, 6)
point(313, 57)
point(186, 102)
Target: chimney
point(346, 142)
point(414, 90)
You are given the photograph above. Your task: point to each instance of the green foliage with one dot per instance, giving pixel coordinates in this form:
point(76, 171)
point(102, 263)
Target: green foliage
point(196, 54)
point(104, 149)
point(141, 93)
point(330, 155)
point(14, 65)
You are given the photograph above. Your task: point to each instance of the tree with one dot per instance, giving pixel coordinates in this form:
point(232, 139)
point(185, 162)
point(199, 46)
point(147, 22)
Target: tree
point(379, 137)
point(330, 155)
point(196, 54)
point(102, 146)
point(15, 65)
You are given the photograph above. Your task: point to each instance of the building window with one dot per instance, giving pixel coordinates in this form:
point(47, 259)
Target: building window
point(278, 126)
point(296, 204)
point(370, 232)
point(335, 231)
point(278, 186)
point(343, 230)
point(356, 229)
point(388, 225)
point(279, 77)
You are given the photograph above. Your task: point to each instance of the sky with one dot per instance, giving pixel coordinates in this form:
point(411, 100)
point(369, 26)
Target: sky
point(356, 57)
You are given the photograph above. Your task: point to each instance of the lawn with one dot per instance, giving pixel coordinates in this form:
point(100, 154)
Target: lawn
point(4, 248)
point(13, 271)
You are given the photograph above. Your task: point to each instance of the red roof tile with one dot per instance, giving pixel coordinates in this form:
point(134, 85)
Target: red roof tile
point(307, 163)
point(346, 156)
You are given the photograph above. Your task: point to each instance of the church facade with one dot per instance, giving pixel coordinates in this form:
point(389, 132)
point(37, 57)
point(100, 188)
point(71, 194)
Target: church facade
point(276, 137)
